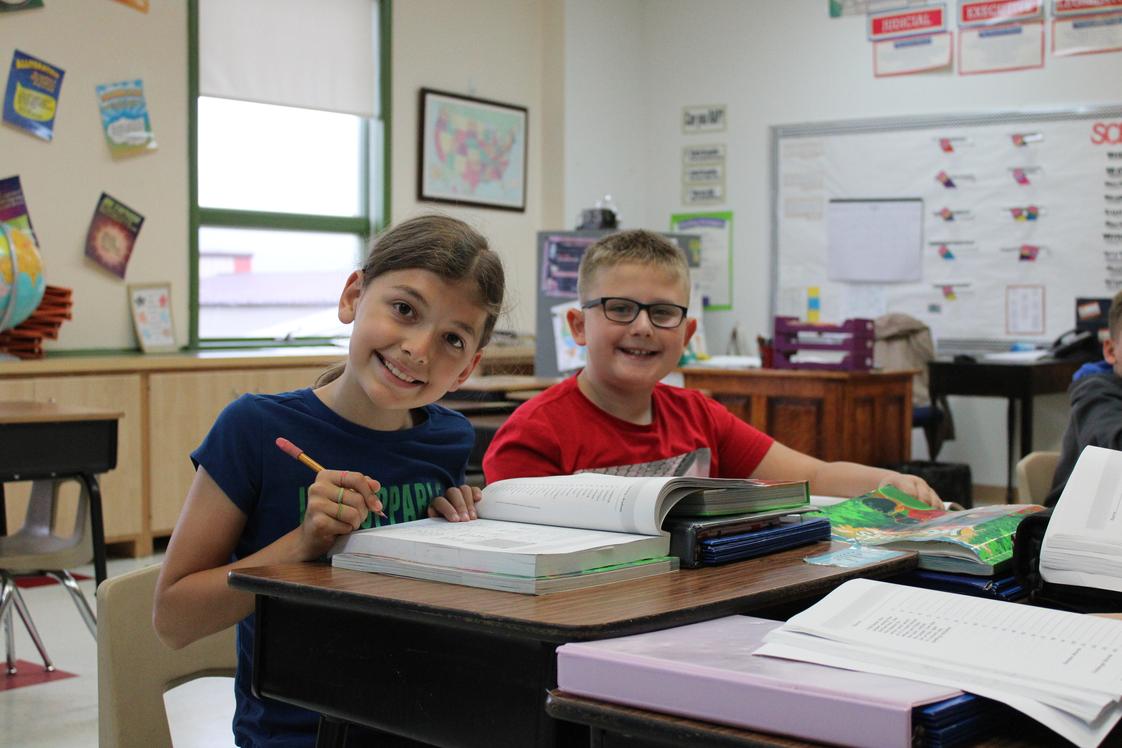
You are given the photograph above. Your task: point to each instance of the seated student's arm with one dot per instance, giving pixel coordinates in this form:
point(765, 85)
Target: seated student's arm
point(523, 448)
point(193, 599)
point(838, 478)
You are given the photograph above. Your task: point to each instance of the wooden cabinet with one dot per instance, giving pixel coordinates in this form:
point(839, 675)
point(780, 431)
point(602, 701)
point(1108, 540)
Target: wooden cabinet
point(182, 408)
point(122, 495)
point(863, 417)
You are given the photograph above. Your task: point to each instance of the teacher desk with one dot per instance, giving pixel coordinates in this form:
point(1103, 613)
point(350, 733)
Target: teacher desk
point(1018, 382)
point(859, 416)
point(450, 665)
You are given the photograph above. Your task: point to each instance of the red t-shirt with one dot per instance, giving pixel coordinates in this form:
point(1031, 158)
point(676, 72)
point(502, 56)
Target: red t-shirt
point(561, 432)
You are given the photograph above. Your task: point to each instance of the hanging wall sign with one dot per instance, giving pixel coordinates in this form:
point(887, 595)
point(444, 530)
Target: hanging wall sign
point(991, 12)
point(901, 23)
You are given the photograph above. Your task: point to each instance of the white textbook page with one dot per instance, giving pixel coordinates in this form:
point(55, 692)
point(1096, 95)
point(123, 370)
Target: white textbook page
point(1038, 645)
point(593, 501)
point(1087, 520)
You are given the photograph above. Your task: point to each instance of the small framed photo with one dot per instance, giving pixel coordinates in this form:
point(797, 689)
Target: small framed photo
point(151, 316)
point(471, 151)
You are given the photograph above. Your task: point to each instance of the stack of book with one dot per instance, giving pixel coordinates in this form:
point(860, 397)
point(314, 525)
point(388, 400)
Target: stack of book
point(975, 541)
point(25, 340)
point(540, 535)
point(1057, 667)
point(707, 671)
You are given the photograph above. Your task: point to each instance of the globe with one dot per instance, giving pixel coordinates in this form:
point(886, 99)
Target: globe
point(21, 277)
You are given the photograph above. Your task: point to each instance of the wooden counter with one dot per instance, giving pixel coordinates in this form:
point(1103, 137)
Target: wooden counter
point(860, 416)
point(169, 402)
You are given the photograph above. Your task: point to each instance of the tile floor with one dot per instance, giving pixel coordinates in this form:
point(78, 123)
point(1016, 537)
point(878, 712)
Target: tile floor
point(63, 714)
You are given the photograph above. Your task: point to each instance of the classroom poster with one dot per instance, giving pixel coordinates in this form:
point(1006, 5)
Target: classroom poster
point(1084, 35)
point(124, 117)
point(150, 304)
point(13, 207)
point(112, 234)
point(31, 99)
point(714, 276)
point(999, 49)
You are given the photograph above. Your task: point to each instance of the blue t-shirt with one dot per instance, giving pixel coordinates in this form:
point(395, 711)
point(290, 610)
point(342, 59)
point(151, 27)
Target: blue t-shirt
point(414, 466)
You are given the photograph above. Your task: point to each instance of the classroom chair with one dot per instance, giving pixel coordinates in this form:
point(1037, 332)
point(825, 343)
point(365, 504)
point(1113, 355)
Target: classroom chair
point(1034, 476)
point(36, 549)
point(135, 668)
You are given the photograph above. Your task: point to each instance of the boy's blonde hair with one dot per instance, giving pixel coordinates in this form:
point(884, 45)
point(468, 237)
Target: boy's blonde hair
point(637, 246)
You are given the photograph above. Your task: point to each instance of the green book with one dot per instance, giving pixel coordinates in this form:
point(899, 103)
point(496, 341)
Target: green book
point(974, 541)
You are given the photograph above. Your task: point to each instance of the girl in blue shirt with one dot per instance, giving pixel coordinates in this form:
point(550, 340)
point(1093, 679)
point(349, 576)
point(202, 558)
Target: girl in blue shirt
point(423, 306)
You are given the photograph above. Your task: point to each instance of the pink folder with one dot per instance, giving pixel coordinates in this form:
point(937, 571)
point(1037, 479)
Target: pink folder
point(707, 671)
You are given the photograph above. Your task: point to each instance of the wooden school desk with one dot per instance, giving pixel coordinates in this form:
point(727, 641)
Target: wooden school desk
point(47, 441)
point(459, 666)
point(860, 416)
point(1017, 382)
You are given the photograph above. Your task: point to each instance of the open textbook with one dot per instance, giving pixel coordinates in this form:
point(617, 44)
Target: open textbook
point(1062, 669)
point(1083, 542)
point(531, 529)
point(973, 541)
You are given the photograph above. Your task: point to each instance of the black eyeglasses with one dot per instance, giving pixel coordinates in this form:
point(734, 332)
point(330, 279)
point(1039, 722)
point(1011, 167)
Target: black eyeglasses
point(617, 309)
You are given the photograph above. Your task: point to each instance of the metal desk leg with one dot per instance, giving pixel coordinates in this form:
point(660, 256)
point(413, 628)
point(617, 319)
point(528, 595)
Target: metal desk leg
point(1009, 459)
point(332, 733)
point(1026, 425)
point(3, 512)
point(97, 525)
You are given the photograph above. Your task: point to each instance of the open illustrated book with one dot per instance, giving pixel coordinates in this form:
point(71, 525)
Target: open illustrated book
point(974, 541)
point(537, 535)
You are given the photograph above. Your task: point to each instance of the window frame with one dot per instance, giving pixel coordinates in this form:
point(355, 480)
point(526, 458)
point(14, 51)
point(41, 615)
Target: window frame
point(375, 212)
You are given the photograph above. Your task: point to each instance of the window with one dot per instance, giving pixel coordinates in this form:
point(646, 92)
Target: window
point(286, 194)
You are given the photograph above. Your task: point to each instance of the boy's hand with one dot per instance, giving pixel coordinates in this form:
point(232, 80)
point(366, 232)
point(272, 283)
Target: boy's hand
point(457, 504)
point(913, 485)
point(338, 503)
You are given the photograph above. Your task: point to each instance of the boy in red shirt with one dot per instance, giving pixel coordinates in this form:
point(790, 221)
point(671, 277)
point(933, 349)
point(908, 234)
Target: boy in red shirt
point(616, 416)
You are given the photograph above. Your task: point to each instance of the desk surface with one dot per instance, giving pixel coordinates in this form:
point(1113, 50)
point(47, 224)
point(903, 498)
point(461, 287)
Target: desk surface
point(27, 411)
point(505, 383)
point(611, 610)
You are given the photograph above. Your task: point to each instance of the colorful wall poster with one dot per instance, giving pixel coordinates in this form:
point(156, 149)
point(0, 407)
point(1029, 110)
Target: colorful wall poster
point(150, 304)
point(570, 355)
point(31, 99)
point(112, 234)
point(13, 207)
point(124, 117)
point(714, 276)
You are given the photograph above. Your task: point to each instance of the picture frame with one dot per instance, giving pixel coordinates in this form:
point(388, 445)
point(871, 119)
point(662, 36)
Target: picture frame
point(150, 306)
point(471, 151)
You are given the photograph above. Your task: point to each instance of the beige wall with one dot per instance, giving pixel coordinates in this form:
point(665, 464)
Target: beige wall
point(104, 42)
point(504, 50)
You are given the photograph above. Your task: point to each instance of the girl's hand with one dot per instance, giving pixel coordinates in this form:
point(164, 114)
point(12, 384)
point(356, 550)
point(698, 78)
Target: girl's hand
point(913, 485)
point(457, 504)
point(338, 503)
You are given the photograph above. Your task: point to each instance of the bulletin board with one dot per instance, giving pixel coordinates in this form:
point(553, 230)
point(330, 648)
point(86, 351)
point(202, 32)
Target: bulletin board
point(1018, 215)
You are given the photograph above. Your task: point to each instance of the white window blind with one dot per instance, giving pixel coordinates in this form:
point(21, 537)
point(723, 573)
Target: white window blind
point(294, 53)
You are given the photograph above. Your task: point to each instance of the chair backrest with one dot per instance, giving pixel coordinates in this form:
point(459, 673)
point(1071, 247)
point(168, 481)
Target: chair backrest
point(134, 668)
point(1034, 476)
point(35, 546)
